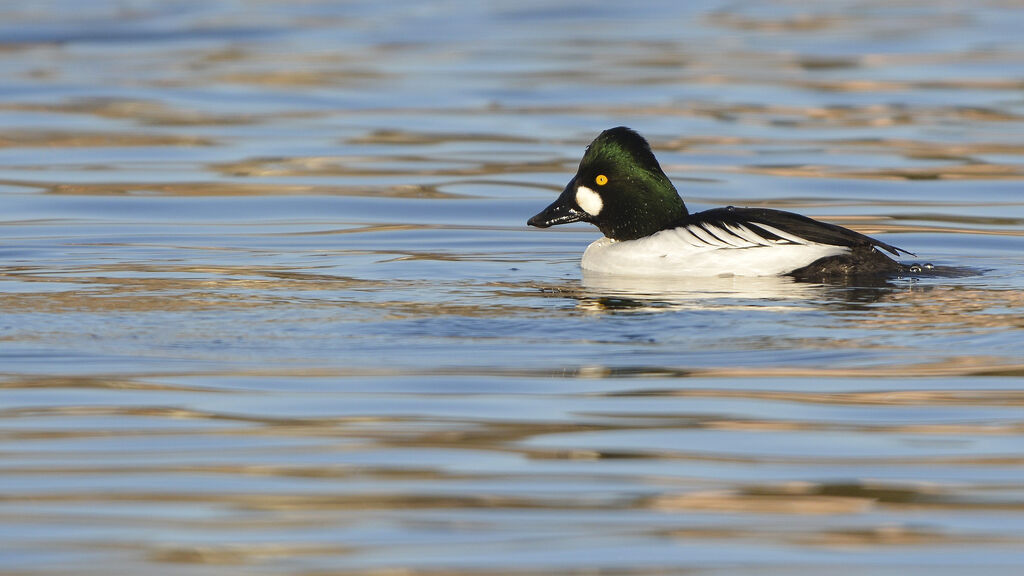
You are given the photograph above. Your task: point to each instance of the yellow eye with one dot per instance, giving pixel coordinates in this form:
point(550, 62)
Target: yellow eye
point(601, 179)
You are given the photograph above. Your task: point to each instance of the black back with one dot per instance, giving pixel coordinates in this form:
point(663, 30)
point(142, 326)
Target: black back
point(791, 223)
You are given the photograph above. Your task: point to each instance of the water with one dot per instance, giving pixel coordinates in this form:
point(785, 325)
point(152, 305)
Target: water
point(268, 303)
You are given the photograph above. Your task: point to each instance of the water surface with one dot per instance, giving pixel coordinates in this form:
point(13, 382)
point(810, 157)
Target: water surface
point(268, 303)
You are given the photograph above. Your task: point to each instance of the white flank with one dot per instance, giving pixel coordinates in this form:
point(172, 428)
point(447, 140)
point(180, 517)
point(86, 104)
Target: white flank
point(727, 250)
point(589, 200)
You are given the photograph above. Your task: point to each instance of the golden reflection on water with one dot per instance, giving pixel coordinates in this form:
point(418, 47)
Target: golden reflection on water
point(144, 112)
point(57, 139)
point(965, 172)
point(409, 165)
point(234, 189)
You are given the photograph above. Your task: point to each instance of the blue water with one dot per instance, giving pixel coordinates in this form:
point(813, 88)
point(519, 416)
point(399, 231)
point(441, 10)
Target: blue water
point(268, 303)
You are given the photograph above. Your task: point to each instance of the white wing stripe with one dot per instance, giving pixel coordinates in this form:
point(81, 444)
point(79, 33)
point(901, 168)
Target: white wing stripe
point(726, 236)
point(703, 235)
point(748, 235)
point(685, 235)
point(784, 235)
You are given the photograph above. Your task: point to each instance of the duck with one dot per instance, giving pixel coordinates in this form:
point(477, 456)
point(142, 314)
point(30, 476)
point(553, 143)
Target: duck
point(621, 188)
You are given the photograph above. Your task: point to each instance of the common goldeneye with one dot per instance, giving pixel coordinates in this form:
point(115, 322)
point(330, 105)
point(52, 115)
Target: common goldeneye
point(621, 189)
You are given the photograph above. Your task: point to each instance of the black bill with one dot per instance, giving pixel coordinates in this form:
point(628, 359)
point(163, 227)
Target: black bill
point(561, 211)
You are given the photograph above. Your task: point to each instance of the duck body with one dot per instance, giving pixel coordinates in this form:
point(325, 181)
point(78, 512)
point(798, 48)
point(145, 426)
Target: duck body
point(705, 248)
point(622, 190)
point(743, 242)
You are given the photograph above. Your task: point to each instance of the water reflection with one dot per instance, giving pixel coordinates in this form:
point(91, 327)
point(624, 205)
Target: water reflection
point(605, 291)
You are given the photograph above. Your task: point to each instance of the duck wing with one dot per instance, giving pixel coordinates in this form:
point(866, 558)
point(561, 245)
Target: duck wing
point(766, 226)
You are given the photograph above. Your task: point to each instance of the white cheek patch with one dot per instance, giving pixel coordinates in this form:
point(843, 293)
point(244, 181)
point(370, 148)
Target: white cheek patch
point(589, 200)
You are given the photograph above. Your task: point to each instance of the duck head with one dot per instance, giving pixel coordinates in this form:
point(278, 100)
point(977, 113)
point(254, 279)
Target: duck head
point(619, 187)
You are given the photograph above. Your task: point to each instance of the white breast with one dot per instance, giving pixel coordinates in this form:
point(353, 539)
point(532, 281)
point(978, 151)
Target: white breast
point(692, 250)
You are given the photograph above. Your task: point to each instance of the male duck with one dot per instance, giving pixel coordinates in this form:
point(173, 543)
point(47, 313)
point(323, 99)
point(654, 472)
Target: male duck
point(621, 189)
